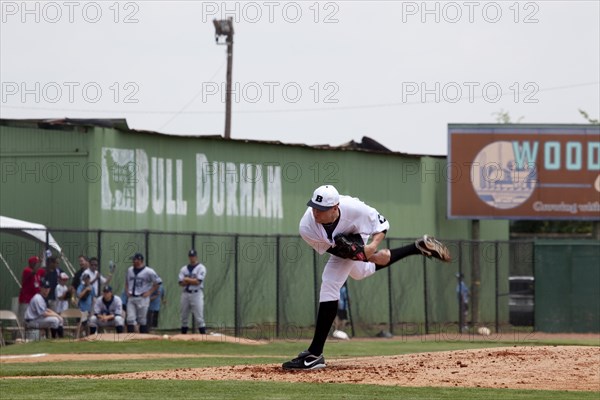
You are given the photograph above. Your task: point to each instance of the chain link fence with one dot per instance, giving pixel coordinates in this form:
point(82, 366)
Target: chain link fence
point(267, 286)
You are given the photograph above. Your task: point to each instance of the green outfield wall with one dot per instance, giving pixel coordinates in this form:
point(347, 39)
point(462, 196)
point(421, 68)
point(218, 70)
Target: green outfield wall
point(567, 286)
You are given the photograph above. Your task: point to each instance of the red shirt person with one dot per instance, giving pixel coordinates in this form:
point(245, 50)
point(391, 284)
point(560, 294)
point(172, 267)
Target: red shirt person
point(30, 284)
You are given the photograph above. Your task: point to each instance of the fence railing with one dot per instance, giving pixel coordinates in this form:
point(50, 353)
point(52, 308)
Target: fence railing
point(273, 280)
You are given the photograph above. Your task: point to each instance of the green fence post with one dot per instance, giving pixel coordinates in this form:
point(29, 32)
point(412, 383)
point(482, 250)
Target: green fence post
point(236, 311)
point(425, 294)
point(496, 285)
point(315, 286)
point(277, 274)
point(390, 297)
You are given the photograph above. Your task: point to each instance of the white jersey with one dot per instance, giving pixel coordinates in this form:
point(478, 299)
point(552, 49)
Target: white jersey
point(355, 217)
point(197, 272)
point(61, 305)
point(141, 280)
point(113, 307)
point(97, 279)
point(37, 307)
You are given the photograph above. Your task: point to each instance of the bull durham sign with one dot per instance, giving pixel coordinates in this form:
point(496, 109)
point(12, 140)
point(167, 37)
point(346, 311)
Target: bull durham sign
point(133, 182)
point(523, 171)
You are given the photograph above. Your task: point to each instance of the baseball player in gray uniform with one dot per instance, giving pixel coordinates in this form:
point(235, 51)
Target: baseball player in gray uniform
point(108, 311)
point(140, 283)
point(39, 316)
point(191, 279)
point(342, 226)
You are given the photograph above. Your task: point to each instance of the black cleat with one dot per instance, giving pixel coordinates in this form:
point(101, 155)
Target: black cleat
point(305, 361)
point(433, 248)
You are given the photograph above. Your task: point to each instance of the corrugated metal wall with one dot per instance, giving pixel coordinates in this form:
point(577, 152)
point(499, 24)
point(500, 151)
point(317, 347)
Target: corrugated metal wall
point(44, 179)
point(109, 179)
point(45, 175)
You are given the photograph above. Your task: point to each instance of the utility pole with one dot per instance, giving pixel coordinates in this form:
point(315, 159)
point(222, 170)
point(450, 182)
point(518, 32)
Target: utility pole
point(224, 30)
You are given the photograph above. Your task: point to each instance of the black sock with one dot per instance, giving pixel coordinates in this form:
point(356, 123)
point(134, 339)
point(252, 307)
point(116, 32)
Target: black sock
point(325, 317)
point(119, 329)
point(54, 332)
point(202, 331)
point(184, 329)
point(400, 253)
point(92, 330)
point(130, 329)
point(61, 332)
point(143, 328)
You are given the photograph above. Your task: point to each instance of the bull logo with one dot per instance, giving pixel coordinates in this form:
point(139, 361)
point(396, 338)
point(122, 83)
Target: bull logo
point(118, 179)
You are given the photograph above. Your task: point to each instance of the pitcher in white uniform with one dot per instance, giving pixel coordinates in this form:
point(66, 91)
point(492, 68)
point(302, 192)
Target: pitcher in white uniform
point(328, 215)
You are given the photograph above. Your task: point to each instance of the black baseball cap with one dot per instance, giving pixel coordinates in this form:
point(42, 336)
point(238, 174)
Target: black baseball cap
point(46, 284)
point(192, 253)
point(107, 288)
point(138, 256)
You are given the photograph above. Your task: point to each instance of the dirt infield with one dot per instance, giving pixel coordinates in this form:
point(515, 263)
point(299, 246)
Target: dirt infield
point(518, 367)
point(544, 367)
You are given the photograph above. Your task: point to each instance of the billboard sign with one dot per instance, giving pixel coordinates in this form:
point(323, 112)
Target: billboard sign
point(524, 171)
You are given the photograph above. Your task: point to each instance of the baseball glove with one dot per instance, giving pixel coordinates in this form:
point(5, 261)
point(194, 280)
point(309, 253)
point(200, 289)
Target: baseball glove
point(350, 246)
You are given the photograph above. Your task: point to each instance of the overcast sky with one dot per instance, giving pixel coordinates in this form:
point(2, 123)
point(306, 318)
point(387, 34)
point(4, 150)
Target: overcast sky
point(304, 72)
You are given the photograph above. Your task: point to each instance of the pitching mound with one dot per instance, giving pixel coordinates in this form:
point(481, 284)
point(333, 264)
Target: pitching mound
point(544, 367)
point(217, 337)
point(121, 337)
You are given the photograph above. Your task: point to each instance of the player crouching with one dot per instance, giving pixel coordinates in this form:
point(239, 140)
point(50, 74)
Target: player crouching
point(108, 312)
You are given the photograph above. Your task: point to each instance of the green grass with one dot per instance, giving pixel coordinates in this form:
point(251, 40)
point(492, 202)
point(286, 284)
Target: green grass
point(104, 367)
point(334, 348)
point(233, 390)
point(274, 352)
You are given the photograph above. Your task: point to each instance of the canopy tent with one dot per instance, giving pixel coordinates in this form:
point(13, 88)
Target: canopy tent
point(30, 230)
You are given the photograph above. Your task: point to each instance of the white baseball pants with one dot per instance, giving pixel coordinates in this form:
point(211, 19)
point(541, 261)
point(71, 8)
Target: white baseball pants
point(137, 310)
point(193, 302)
point(95, 322)
point(336, 272)
point(44, 322)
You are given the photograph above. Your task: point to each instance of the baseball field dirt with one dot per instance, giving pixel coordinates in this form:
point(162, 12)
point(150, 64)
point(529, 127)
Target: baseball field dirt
point(122, 337)
point(575, 368)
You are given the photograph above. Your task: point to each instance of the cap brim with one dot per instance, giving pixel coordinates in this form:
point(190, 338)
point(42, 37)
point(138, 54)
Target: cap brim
point(317, 206)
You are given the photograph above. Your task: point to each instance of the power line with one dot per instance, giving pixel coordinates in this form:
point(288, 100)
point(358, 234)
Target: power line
point(284, 110)
point(189, 103)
